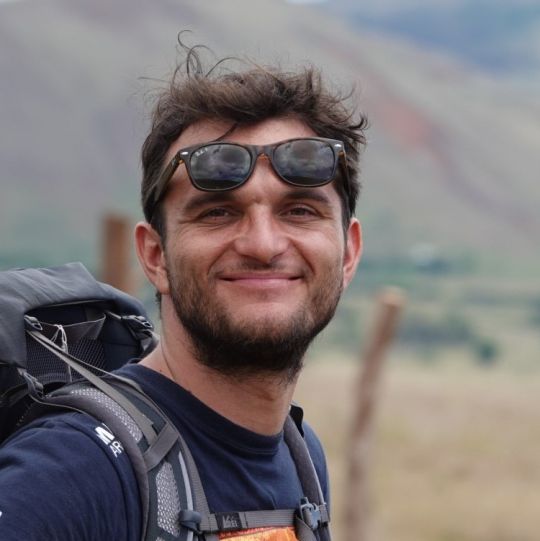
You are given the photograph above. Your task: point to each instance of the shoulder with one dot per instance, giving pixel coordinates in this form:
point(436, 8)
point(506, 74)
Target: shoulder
point(64, 476)
point(55, 437)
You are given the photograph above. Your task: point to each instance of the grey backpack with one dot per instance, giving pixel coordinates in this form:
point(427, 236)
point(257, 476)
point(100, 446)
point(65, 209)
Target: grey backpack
point(61, 334)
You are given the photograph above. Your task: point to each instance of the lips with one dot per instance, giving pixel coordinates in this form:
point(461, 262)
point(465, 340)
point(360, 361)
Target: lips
point(261, 280)
point(258, 276)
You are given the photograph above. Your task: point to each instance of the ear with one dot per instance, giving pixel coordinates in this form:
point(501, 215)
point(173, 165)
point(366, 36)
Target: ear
point(151, 256)
point(353, 251)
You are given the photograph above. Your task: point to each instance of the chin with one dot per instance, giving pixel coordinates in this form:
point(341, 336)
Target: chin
point(267, 318)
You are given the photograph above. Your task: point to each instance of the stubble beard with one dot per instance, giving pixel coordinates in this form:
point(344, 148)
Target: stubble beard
point(256, 348)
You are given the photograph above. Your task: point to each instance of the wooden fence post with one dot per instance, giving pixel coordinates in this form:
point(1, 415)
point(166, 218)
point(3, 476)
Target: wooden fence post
point(357, 501)
point(116, 252)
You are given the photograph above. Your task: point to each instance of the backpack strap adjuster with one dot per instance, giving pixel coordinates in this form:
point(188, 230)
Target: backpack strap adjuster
point(313, 515)
point(32, 323)
point(34, 386)
point(142, 329)
point(190, 520)
point(138, 323)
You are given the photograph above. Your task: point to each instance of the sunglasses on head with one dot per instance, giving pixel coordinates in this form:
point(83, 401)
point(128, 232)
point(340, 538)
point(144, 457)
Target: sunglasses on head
point(220, 165)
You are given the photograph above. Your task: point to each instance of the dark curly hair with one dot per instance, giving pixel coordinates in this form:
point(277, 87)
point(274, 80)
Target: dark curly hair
point(246, 97)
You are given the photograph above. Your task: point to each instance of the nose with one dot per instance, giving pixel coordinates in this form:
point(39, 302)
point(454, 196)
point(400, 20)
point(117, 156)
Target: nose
point(261, 237)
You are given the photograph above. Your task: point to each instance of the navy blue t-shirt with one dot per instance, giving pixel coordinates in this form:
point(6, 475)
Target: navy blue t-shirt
point(61, 479)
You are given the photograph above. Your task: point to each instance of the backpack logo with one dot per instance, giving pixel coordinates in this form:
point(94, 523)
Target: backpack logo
point(228, 521)
point(107, 437)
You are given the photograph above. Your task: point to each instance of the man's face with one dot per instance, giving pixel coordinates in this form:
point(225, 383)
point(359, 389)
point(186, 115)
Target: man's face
point(254, 273)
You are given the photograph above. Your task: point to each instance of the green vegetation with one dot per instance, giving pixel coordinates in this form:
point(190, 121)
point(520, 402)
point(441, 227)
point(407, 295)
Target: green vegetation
point(462, 313)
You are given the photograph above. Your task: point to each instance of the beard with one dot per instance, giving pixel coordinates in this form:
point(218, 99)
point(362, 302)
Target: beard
point(254, 348)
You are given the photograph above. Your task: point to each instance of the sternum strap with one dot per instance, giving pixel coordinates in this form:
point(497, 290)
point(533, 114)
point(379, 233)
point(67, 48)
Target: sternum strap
point(243, 520)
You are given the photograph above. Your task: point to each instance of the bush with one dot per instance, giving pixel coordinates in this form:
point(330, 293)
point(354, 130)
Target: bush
point(486, 351)
point(424, 330)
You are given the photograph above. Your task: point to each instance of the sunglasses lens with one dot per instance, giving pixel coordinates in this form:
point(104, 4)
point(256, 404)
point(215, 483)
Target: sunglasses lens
point(305, 162)
point(220, 166)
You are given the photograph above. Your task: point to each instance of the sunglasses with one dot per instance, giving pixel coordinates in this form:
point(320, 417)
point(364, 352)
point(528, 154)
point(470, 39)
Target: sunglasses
point(220, 166)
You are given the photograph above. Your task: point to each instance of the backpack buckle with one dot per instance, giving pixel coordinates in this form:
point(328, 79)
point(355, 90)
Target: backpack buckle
point(35, 387)
point(32, 323)
point(138, 323)
point(142, 330)
point(191, 520)
point(310, 514)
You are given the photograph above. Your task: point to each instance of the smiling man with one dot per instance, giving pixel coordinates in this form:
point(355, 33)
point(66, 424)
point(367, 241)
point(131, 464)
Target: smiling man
point(249, 189)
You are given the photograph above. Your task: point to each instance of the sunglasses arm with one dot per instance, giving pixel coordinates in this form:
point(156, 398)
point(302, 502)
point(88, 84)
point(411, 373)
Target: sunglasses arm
point(346, 179)
point(165, 177)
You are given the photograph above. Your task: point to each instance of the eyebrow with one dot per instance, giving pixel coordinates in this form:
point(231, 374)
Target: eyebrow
point(311, 194)
point(208, 198)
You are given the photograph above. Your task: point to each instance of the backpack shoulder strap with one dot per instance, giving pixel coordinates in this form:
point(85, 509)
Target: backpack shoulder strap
point(161, 461)
point(311, 518)
point(313, 515)
point(174, 504)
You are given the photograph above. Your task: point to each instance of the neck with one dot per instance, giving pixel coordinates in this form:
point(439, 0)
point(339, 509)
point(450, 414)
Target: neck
point(259, 403)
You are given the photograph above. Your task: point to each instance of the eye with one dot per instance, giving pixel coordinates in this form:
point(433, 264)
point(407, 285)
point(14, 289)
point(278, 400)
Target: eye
point(300, 211)
point(216, 215)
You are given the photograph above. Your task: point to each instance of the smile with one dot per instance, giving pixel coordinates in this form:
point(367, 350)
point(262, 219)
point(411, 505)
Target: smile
point(261, 281)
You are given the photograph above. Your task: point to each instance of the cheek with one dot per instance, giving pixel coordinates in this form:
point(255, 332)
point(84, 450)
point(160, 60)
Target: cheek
point(193, 258)
point(324, 254)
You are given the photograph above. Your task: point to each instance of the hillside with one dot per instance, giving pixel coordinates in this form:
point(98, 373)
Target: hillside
point(500, 36)
point(450, 179)
point(452, 159)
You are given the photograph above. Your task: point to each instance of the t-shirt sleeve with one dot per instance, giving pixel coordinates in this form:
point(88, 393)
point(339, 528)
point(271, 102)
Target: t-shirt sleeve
point(67, 478)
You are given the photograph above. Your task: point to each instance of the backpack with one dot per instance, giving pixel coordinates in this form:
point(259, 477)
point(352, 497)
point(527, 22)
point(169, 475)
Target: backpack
point(61, 334)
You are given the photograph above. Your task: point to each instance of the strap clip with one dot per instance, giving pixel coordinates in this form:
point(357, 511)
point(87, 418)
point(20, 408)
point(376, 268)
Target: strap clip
point(138, 323)
point(310, 514)
point(142, 330)
point(35, 387)
point(32, 323)
point(190, 520)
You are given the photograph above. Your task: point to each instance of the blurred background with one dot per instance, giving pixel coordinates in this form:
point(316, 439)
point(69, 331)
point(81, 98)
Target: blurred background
point(450, 210)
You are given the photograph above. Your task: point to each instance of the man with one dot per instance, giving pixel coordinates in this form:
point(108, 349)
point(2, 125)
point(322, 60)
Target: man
point(249, 186)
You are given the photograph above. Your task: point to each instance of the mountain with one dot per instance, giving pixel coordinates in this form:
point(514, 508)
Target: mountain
point(452, 160)
point(498, 35)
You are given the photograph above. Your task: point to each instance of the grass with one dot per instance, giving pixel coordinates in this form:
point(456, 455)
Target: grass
point(454, 453)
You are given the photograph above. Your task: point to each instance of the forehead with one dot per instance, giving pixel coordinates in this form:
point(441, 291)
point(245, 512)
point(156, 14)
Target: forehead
point(262, 133)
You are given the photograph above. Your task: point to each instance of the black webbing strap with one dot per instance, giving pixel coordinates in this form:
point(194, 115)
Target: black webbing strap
point(142, 422)
point(243, 520)
point(313, 513)
point(303, 531)
point(192, 485)
point(75, 331)
point(304, 464)
point(160, 447)
point(197, 491)
point(311, 516)
point(141, 329)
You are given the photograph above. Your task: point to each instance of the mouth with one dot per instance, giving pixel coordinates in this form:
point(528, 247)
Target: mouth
point(261, 280)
